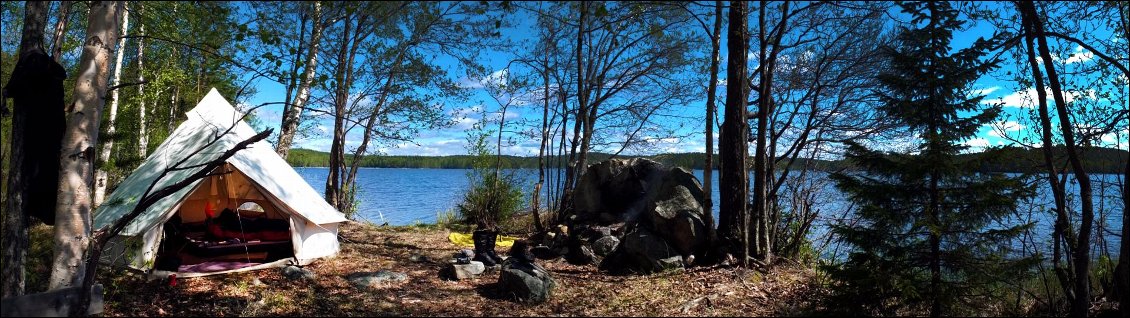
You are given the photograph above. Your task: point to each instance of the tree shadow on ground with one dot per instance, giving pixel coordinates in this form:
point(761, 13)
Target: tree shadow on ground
point(493, 291)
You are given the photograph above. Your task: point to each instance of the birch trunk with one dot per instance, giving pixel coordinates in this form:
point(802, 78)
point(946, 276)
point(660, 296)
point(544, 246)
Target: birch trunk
point(142, 135)
point(293, 117)
point(73, 212)
point(101, 176)
point(61, 30)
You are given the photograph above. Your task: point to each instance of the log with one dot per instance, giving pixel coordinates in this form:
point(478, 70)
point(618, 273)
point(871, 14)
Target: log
point(54, 303)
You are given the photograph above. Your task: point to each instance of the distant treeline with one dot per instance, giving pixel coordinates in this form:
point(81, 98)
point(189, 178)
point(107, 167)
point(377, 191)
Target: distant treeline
point(1015, 159)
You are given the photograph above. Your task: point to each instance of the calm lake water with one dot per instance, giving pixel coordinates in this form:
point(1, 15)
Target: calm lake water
point(407, 196)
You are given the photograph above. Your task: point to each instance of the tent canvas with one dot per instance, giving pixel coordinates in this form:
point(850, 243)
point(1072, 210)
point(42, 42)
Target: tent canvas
point(256, 174)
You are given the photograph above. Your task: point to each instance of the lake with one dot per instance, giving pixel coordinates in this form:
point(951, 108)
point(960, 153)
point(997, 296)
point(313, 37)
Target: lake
point(400, 196)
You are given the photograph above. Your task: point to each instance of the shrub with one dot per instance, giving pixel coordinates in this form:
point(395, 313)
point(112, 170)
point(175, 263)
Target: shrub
point(494, 196)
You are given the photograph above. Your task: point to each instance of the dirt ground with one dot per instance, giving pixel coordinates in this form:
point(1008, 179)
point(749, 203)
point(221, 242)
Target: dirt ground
point(786, 290)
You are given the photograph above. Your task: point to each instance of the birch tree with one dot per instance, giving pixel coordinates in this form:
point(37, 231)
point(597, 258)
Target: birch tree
point(292, 113)
point(100, 174)
point(73, 213)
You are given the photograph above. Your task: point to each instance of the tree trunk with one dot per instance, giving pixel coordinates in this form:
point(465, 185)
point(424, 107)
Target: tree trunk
point(711, 92)
point(575, 168)
point(1061, 230)
point(733, 180)
point(762, 170)
point(61, 30)
point(142, 135)
point(765, 70)
point(73, 214)
point(174, 92)
point(33, 70)
point(101, 176)
point(1082, 261)
point(334, 186)
point(580, 120)
point(1122, 271)
point(292, 118)
point(542, 147)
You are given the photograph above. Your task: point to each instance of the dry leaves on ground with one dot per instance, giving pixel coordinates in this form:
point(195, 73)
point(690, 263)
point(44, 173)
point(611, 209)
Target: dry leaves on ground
point(581, 290)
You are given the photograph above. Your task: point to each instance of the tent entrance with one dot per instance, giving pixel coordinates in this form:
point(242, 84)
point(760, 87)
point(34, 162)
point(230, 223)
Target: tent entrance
point(226, 223)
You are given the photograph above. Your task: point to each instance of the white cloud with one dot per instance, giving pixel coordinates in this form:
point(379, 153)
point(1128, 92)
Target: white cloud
point(977, 144)
point(1079, 56)
point(985, 91)
point(1027, 98)
point(495, 78)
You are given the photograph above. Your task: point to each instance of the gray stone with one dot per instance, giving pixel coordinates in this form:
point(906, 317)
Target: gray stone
point(374, 279)
point(677, 215)
point(605, 245)
point(464, 253)
point(640, 251)
point(463, 271)
point(525, 282)
point(295, 272)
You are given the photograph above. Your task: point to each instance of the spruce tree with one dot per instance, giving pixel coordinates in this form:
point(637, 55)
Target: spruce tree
point(931, 231)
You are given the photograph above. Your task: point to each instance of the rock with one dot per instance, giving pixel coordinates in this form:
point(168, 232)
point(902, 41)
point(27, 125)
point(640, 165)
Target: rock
point(640, 251)
point(544, 252)
point(581, 254)
point(605, 245)
point(615, 190)
point(295, 272)
point(628, 193)
point(464, 253)
point(677, 215)
point(374, 279)
point(463, 271)
point(525, 282)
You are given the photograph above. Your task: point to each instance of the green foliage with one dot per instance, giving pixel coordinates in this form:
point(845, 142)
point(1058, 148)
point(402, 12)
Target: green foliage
point(930, 233)
point(494, 196)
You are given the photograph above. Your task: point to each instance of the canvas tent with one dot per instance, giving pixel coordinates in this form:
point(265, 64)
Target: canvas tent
point(255, 183)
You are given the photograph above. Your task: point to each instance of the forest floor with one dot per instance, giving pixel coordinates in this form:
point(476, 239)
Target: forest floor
point(785, 290)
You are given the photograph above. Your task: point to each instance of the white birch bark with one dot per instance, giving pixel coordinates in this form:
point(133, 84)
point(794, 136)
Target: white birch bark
point(73, 219)
point(101, 176)
point(291, 121)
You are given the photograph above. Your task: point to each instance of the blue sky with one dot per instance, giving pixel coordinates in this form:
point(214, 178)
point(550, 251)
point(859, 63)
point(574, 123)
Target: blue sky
point(450, 141)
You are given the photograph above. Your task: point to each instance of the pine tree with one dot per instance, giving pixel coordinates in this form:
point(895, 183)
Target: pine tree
point(930, 236)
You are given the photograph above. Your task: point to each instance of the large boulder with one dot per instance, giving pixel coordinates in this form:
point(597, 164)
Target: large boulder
point(615, 190)
point(641, 251)
point(676, 213)
point(525, 281)
point(665, 203)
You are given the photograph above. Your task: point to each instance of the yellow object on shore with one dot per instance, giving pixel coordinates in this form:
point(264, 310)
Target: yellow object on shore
point(464, 239)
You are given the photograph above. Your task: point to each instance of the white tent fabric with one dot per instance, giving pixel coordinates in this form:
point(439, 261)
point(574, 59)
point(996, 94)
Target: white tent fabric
point(314, 223)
